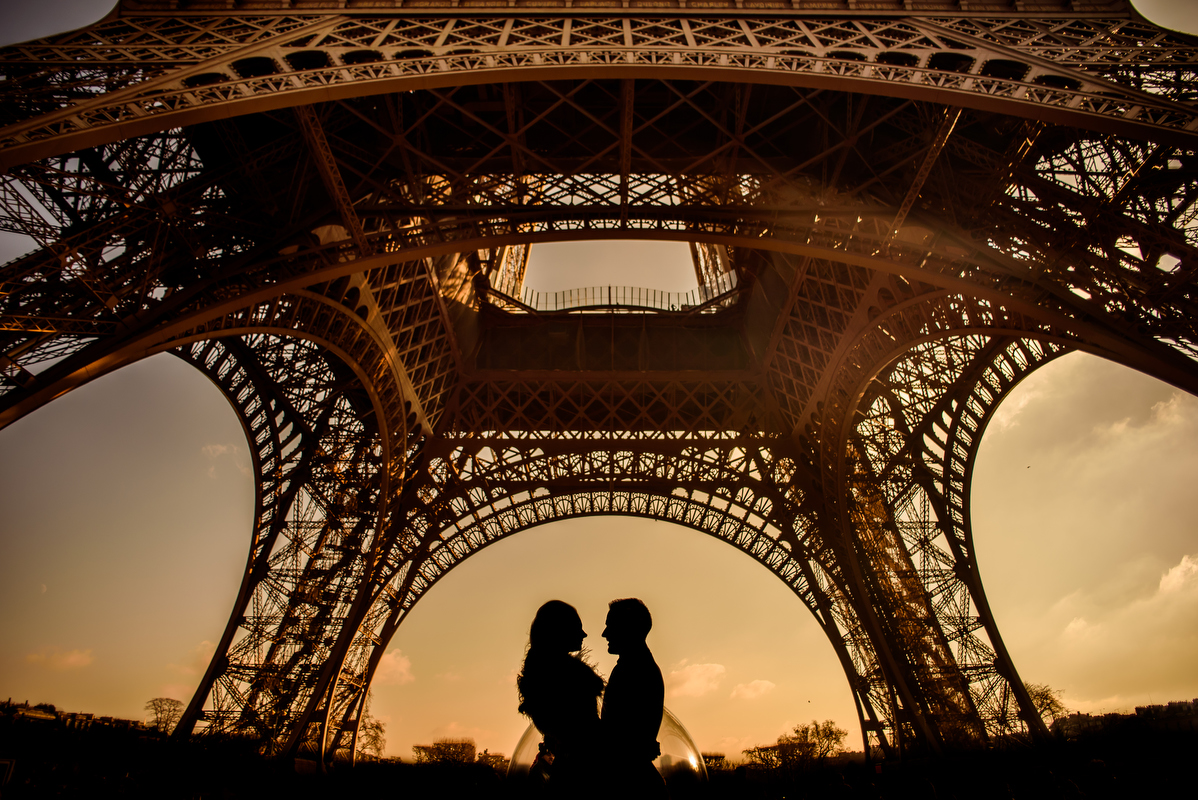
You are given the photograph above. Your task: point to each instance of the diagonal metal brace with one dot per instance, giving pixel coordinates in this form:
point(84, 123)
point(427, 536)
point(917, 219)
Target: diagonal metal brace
point(326, 163)
point(946, 129)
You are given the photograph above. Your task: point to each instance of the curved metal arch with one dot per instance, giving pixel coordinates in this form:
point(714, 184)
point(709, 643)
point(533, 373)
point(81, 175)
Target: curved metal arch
point(770, 50)
point(905, 546)
point(476, 505)
point(907, 325)
point(961, 441)
point(980, 275)
point(875, 493)
point(274, 310)
point(319, 472)
point(976, 272)
point(911, 460)
point(857, 433)
point(342, 607)
point(960, 265)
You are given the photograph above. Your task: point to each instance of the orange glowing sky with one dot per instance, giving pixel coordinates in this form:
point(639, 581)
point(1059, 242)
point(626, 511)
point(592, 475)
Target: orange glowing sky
point(127, 505)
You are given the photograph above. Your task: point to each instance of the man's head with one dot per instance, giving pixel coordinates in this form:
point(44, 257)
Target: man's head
point(628, 623)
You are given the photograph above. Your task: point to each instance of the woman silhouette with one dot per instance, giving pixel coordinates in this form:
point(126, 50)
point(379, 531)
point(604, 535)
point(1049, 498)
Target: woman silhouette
point(559, 692)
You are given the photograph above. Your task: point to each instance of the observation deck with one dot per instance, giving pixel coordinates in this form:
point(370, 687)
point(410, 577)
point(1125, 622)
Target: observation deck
point(623, 299)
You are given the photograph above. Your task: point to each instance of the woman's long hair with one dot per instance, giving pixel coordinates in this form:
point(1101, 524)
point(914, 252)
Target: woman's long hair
point(550, 638)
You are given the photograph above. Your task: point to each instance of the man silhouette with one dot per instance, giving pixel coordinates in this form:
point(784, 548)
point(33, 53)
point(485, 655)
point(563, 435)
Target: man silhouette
point(632, 702)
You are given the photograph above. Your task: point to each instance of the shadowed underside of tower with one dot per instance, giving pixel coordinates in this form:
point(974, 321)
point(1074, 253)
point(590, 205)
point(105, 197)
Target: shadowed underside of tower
point(896, 212)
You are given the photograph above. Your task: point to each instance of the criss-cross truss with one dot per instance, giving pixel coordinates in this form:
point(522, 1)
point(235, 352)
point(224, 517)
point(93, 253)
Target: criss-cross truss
point(895, 215)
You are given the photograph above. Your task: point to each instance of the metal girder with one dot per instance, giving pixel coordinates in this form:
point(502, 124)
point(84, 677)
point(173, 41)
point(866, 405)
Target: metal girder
point(894, 216)
point(326, 164)
point(1063, 69)
point(938, 141)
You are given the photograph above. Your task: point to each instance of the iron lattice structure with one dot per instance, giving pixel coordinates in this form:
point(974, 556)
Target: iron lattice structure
point(896, 212)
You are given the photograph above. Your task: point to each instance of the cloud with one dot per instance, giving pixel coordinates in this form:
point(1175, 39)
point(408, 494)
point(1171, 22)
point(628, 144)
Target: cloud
point(197, 660)
point(1181, 577)
point(752, 690)
point(394, 669)
point(1006, 416)
point(733, 747)
point(188, 672)
point(456, 730)
point(215, 451)
point(694, 680)
point(1088, 557)
point(1111, 651)
point(56, 660)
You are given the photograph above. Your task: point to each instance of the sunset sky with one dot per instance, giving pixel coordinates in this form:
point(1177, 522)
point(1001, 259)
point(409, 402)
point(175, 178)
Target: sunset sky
point(126, 508)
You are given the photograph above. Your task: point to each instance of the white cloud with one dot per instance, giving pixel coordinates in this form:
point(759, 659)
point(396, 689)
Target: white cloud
point(694, 680)
point(1078, 627)
point(1182, 576)
point(177, 691)
point(752, 690)
point(56, 660)
point(1112, 651)
point(215, 451)
point(394, 669)
point(1006, 416)
point(1177, 410)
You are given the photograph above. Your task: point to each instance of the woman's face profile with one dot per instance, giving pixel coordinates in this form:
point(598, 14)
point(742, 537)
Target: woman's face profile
point(559, 626)
point(574, 635)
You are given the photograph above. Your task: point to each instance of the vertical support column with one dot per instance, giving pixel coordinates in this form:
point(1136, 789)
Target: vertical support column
point(627, 105)
point(317, 465)
point(918, 431)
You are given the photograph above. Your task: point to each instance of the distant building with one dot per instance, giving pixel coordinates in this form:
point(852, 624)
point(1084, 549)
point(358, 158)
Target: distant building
point(1175, 716)
point(45, 713)
point(76, 720)
point(1075, 724)
point(35, 714)
point(847, 757)
point(119, 724)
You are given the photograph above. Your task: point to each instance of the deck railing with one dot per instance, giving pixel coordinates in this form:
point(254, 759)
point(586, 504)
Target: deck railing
point(601, 298)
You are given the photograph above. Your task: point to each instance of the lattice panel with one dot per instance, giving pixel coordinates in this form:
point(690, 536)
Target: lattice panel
point(610, 409)
point(915, 568)
point(828, 296)
point(319, 470)
point(978, 57)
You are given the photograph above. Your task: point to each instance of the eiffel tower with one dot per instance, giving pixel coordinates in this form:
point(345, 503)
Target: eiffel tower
point(896, 209)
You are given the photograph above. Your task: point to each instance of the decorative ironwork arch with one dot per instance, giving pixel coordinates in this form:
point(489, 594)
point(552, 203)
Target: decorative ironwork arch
point(266, 64)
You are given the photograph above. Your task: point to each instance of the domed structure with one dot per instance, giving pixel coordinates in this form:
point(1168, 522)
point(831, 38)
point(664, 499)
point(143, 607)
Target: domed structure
point(679, 763)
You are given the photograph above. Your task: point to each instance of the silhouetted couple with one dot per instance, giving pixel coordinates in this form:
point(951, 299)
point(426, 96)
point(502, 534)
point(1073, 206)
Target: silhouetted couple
point(589, 753)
